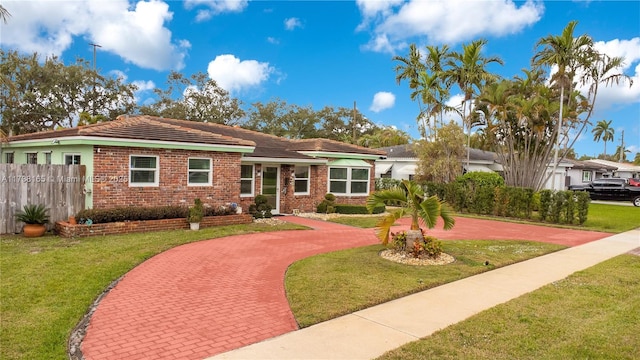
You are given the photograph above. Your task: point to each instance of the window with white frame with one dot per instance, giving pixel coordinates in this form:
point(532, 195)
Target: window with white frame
point(9, 158)
point(301, 184)
point(32, 157)
point(143, 170)
point(72, 159)
point(246, 180)
point(199, 173)
point(349, 180)
point(586, 175)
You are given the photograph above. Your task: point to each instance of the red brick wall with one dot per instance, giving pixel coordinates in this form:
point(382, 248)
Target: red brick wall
point(317, 190)
point(67, 230)
point(111, 174)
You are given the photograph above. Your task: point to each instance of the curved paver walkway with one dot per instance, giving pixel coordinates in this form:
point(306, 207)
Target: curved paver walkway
point(205, 298)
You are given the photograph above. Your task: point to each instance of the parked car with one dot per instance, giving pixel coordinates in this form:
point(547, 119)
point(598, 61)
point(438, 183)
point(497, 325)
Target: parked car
point(612, 189)
point(634, 182)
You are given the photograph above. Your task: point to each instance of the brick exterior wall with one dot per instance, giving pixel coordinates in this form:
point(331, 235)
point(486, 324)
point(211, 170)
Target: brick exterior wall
point(111, 178)
point(64, 229)
point(318, 187)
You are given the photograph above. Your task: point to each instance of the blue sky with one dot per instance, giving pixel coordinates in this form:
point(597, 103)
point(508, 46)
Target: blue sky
point(323, 53)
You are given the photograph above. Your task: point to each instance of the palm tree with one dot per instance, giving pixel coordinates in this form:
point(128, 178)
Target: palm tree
point(569, 54)
point(4, 14)
point(468, 70)
point(412, 200)
point(604, 131)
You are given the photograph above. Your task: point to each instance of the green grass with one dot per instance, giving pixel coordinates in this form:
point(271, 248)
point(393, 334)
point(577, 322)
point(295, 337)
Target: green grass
point(47, 284)
point(357, 221)
point(325, 286)
point(592, 314)
point(612, 218)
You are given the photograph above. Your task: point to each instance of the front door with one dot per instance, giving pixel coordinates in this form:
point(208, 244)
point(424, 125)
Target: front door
point(271, 186)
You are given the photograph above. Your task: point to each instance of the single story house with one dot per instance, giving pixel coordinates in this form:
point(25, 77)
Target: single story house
point(582, 172)
point(401, 162)
point(153, 161)
point(622, 170)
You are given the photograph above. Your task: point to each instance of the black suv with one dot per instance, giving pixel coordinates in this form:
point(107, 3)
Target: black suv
point(616, 189)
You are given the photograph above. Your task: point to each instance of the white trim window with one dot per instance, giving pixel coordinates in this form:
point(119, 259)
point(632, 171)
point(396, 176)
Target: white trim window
point(72, 159)
point(199, 172)
point(247, 180)
point(32, 157)
point(301, 182)
point(143, 170)
point(349, 180)
point(9, 157)
point(586, 175)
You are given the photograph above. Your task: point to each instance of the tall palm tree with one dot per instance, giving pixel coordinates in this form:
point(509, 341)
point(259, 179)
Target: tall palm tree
point(468, 70)
point(604, 131)
point(412, 200)
point(569, 54)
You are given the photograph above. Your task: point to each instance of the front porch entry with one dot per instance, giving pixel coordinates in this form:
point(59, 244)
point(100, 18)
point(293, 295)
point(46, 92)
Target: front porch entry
point(271, 186)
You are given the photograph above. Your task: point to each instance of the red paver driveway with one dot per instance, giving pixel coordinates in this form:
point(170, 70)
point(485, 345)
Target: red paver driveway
point(205, 298)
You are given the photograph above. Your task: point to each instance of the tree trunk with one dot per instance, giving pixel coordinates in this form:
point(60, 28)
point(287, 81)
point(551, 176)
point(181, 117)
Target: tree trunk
point(413, 236)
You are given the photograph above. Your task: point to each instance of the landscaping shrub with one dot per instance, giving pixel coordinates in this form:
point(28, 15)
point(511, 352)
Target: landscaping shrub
point(429, 247)
point(260, 209)
point(545, 204)
point(479, 189)
point(582, 205)
point(569, 207)
point(357, 209)
point(133, 213)
point(557, 203)
point(328, 205)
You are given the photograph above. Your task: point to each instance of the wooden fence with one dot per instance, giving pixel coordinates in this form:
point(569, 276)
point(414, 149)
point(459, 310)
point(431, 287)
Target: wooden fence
point(58, 187)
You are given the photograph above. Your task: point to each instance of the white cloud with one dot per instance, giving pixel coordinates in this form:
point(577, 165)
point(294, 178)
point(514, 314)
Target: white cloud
point(450, 21)
point(620, 94)
point(273, 40)
point(143, 85)
point(137, 34)
point(382, 100)
point(234, 75)
point(292, 23)
point(215, 7)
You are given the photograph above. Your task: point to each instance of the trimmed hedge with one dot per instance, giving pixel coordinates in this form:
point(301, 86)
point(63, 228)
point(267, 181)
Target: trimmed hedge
point(133, 213)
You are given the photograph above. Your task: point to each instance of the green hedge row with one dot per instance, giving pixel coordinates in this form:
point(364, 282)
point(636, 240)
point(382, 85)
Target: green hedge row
point(132, 213)
point(485, 194)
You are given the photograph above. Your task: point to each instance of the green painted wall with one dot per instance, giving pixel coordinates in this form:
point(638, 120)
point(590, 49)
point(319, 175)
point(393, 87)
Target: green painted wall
point(58, 153)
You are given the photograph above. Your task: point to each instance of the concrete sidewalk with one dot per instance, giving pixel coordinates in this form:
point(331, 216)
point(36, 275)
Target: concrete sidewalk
point(371, 332)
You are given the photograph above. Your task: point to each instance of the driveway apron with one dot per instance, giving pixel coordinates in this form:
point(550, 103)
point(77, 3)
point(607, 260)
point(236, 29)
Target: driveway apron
point(209, 297)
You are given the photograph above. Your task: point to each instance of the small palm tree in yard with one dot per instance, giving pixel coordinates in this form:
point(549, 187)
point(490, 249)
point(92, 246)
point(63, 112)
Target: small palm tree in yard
point(412, 200)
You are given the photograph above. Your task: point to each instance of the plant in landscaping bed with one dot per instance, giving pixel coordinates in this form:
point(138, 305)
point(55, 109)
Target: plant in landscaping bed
point(327, 206)
point(411, 199)
point(260, 209)
point(545, 204)
point(357, 209)
point(196, 212)
point(582, 204)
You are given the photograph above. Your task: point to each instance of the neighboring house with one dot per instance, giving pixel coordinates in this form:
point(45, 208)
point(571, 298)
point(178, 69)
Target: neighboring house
point(582, 172)
point(622, 170)
point(402, 162)
point(152, 161)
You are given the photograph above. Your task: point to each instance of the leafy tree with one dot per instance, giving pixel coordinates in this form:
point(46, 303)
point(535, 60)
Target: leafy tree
point(604, 131)
point(37, 96)
point(281, 119)
point(343, 124)
point(636, 159)
point(439, 158)
point(411, 200)
point(384, 136)
point(196, 98)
